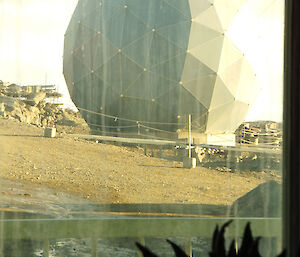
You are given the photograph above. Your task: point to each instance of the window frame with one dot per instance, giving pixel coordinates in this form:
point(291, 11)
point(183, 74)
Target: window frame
point(291, 137)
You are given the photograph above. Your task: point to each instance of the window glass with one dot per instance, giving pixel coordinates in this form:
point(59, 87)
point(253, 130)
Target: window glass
point(126, 121)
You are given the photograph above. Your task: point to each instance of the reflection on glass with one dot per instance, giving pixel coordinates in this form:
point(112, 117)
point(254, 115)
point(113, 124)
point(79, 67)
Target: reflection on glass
point(161, 120)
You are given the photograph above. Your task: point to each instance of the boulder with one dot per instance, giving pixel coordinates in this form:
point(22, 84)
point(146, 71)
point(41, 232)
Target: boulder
point(41, 105)
point(17, 114)
point(14, 89)
point(263, 201)
point(9, 107)
point(32, 115)
point(2, 108)
point(35, 98)
point(44, 122)
point(66, 119)
point(14, 109)
point(7, 100)
point(34, 109)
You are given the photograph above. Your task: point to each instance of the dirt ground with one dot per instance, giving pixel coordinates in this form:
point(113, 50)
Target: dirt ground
point(104, 173)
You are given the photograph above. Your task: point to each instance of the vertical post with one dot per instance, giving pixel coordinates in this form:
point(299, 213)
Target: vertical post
point(2, 235)
point(236, 246)
point(190, 136)
point(94, 252)
point(188, 247)
point(138, 128)
point(45, 78)
point(160, 151)
point(46, 248)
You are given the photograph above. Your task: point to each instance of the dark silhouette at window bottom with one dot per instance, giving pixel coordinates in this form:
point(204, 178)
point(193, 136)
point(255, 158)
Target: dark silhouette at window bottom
point(249, 246)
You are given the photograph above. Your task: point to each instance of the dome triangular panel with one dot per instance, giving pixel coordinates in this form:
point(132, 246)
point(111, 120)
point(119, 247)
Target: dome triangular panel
point(230, 54)
point(114, 29)
point(210, 19)
point(194, 68)
point(133, 28)
point(226, 118)
point(139, 50)
point(200, 34)
point(248, 82)
point(161, 50)
point(110, 73)
point(198, 7)
point(181, 6)
point(171, 69)
point(221, 95)
point(209, 53)
point(231, 76)
point(177, 33)
point(202, 89)
point(130, 72)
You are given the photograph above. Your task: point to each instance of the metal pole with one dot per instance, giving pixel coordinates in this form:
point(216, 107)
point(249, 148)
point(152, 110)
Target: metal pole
point(190, 136)
point(94, 252)
point(138, 128)
point(46, 248)
point(188, 247)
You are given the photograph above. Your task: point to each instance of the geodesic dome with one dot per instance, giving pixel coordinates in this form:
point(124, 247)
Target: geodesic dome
point(154, 62)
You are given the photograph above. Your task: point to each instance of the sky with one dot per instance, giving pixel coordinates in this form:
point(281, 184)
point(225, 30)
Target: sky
point(32, 34)
point(258, 31)
point(31, 41)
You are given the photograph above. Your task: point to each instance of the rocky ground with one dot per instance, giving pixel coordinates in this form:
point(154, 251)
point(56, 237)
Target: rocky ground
point(38, 109)
point(106, 173)
point(101, 173)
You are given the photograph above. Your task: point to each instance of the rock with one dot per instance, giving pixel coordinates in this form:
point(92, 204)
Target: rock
point(42, 111)
point(14, 110)
point(13, 90)
point(32, 118)
point(2, 108)
point(23, 113)
point(30, 115)
point(41, 105)
point(66, 122)
point(34, 110)
point(10, 107)
point(35, 98)
point(44, 122)
point(263, 201)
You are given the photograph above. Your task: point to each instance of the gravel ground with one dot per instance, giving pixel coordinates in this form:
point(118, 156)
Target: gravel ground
point(104, 173)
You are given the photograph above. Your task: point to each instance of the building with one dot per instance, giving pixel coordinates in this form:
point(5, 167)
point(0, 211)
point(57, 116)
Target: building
point(38, 88)
point(155, 62)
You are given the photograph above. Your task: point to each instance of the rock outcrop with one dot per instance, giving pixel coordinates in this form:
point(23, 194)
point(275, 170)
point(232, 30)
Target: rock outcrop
point(263, 201)
point(33, 108)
